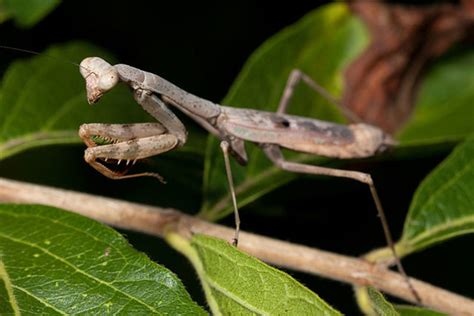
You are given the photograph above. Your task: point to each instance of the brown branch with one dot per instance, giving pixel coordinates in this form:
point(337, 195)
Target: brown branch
point(154, 220)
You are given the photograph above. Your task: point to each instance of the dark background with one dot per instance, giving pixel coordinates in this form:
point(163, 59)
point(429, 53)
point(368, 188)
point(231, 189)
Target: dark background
point(202, 47)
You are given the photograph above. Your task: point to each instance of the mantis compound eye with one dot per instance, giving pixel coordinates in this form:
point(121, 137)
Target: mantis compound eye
point(100, 77)
point(108, 80)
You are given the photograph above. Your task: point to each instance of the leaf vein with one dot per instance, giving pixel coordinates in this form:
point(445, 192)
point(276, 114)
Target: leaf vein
point(9, 287)
point(78, 270)
point(39, 299)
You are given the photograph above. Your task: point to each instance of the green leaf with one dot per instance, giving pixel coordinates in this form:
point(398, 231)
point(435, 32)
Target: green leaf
point(444, 108)
point(57, 262)
point(406, 310)
point(320, 44)
point(26, 13)
point(443, 205)
point(238, 284)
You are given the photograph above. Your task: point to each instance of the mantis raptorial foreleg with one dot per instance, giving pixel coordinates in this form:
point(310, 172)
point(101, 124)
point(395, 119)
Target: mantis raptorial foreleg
point(120, 132)
point(110, 143)
point(127, 142)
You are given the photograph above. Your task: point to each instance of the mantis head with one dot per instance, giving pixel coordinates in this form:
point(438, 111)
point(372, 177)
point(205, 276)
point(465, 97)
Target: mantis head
point(100, 77)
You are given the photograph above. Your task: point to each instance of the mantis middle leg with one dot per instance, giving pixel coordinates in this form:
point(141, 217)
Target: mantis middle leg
point(228, 170)
point(294, 78)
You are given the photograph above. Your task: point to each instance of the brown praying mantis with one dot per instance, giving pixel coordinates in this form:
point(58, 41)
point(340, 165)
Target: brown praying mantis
point(233, 126)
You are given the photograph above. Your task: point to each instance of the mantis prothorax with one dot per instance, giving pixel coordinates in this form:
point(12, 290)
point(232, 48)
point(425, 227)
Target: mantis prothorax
point(233, 126)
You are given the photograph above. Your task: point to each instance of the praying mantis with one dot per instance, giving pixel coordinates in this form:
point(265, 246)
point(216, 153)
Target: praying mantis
point(271, 131)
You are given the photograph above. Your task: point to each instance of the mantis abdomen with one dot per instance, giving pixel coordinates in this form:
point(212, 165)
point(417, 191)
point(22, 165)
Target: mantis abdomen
point(304, 134)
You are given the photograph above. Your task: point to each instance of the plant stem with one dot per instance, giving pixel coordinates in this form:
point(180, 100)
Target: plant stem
point(158, 221)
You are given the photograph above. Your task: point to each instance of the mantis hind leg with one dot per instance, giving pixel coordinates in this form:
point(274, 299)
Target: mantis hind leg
point(294, 78)
point(273, 152)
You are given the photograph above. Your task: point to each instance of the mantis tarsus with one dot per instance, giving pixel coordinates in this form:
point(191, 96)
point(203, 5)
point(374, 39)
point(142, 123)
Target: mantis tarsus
point(233, 126)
